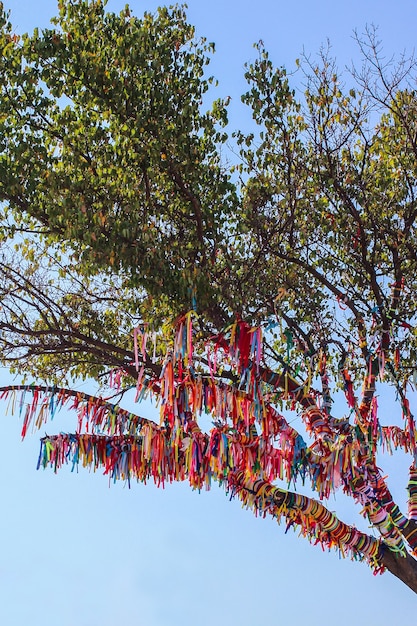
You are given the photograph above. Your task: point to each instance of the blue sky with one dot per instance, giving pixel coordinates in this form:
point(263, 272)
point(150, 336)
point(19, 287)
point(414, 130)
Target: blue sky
point(75, 551)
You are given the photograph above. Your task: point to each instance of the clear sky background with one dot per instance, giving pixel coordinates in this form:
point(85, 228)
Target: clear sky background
point(75, 552)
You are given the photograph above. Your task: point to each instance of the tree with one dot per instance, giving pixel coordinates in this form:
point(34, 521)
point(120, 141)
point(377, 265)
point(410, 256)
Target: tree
point(135, 255)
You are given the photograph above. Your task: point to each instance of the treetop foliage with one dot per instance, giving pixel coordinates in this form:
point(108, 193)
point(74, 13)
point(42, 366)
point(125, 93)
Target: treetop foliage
point(110, 153)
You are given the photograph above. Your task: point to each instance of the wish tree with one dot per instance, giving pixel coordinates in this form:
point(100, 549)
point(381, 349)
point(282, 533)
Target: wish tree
point(272, 298)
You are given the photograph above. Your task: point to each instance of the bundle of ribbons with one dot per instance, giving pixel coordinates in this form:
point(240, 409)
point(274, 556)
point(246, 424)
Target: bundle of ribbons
point(249, 446)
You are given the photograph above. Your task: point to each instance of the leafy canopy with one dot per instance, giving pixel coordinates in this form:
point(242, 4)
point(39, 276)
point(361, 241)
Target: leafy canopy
point(111, 155)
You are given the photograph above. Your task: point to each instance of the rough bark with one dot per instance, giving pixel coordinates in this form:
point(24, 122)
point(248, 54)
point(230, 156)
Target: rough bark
point(403, 567)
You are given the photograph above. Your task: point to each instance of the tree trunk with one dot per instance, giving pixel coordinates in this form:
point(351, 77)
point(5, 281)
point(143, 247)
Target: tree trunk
point(403, 567)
